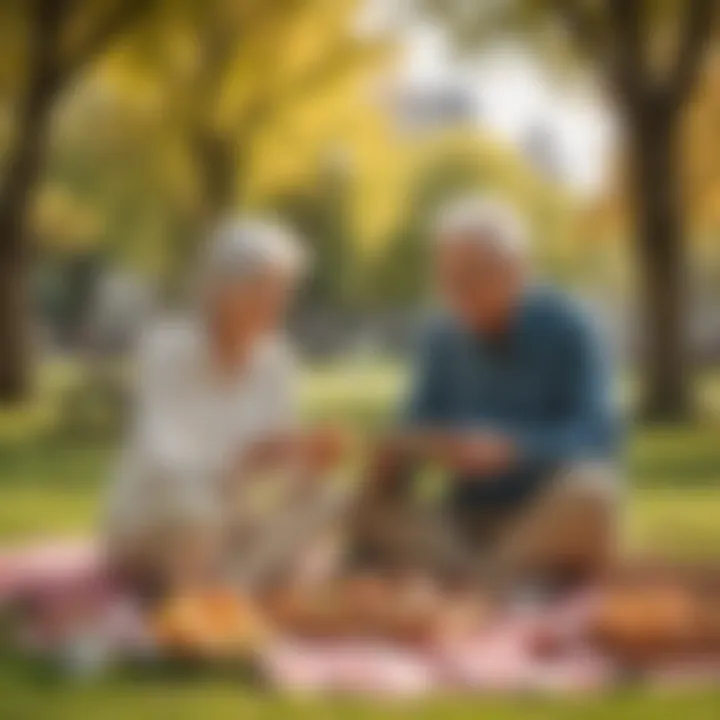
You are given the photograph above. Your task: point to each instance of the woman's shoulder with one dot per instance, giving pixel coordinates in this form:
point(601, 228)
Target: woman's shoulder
point(276, 355)
point(168, 342)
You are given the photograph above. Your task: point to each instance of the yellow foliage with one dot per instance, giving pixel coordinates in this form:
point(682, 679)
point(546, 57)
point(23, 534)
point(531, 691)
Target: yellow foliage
point(64, 223)
point(701, 153)
point(276, 85)
point(279, 94)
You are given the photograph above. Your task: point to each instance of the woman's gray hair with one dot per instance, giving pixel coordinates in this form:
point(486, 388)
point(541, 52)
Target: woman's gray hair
point(483, 219)
point(245, 247)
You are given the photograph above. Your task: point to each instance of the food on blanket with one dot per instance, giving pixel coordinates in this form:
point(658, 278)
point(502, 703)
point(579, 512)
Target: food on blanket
point(327, 446)
point(409, 610)
point(215, 624)
point(366, 595)
point(461, 618)
point(401, 609)
point(412, 607)
point(640, 623)
point(359, 606)
point(709, 622)
point(353, 607)
point(307, 612)
point(464, 611)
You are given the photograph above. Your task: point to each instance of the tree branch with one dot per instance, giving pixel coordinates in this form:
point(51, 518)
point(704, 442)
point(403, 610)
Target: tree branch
point(696, 28)
point(627, 63)
point(47, 20)
point(585, 29)
point(26, 152)
point(123, 14)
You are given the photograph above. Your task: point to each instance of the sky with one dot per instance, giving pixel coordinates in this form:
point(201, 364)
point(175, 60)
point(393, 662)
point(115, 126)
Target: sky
point(513, 93)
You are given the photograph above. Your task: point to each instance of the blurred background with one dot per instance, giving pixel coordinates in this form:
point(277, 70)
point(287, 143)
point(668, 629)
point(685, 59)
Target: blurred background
point(128, 127)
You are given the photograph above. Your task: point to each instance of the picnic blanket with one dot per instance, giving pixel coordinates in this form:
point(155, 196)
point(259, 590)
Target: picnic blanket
point(500, 659)
point(49, 566)
point(505, 656)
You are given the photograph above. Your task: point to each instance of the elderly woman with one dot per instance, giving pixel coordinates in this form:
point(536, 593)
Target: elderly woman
point(216, 405)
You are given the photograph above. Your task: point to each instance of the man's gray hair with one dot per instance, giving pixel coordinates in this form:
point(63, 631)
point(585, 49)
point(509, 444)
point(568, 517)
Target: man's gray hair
point(245, 247)
point(485, 220)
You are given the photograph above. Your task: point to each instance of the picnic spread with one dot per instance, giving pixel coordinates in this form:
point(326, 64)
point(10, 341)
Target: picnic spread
point(367, 634)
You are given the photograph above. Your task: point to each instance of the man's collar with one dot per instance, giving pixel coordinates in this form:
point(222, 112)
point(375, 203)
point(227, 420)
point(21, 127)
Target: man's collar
point(509, 339)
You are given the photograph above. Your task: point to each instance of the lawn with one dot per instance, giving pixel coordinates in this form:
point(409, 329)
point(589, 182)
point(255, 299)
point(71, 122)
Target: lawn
point(50, 481)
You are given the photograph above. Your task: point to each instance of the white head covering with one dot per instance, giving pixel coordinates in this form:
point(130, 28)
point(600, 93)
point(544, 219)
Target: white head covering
point(245, 247)
point(485, 220)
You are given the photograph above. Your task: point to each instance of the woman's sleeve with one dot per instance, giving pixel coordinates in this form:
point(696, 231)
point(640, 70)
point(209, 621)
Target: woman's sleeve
point(164, 421)
point(279, 410)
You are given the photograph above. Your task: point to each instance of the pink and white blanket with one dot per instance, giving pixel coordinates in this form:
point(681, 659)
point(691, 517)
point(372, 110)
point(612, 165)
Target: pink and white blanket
point(504, 657)
point(45, 567)
point(507, 656)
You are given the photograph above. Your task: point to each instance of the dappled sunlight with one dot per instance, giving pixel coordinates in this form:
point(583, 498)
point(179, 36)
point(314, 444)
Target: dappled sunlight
point(359, 358)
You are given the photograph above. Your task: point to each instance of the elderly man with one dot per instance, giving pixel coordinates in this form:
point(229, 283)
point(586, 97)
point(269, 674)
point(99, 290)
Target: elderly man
point(215, 408)
point(512, 397)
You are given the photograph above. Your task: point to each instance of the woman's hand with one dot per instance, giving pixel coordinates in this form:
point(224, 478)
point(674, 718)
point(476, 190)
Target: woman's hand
point(479, 452)
point(324, 447)
point(313, 452)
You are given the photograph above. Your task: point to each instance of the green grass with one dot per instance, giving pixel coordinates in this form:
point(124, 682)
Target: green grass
point(216, 700)
point(50, 482)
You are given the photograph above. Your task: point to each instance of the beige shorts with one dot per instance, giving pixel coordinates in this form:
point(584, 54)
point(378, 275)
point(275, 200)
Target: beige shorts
point(573, 521)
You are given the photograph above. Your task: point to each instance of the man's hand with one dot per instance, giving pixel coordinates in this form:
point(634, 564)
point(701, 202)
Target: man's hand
point(324, 447)
point(478, 453)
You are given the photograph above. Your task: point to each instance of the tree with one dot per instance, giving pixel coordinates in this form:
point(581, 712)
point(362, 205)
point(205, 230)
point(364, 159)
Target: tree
point(649, 55)
point(178, 123)
point(699, 166)
point(58, 39)
point(318, 211)
point(250, 94)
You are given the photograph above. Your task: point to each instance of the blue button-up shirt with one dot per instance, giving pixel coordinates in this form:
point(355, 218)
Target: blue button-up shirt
point(545, 384)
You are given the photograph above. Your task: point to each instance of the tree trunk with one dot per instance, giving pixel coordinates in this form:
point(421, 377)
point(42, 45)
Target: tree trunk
point(216, 166)
point(15, 205)
point(14, 359)
point(660, 250)
point(24, 170)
